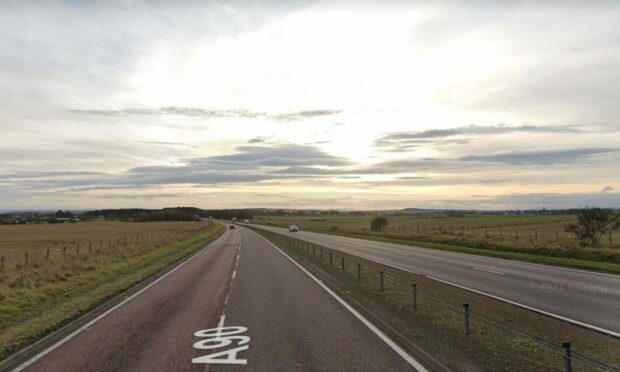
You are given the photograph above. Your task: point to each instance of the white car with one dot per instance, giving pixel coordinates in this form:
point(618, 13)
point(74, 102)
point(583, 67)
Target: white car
point(246, 221)
point(293, 228)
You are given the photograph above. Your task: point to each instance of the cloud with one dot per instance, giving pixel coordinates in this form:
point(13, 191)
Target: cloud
point(246, 165)
point(540, 157)
point(408, 140)
point(607, 189)
point(311, 171)
point(46, 174)
point(281, 155)
point(206, 113)
point(258, 140)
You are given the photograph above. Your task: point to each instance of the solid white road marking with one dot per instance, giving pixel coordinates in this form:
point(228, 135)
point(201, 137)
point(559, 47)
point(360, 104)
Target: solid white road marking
point(576, 322)
point(400, 246)
point(89, 324)
point(489, 271)
point(408, 358)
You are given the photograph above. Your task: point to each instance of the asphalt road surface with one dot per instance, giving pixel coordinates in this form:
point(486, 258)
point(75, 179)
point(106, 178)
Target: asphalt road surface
point(589, 298)
point(239, 304)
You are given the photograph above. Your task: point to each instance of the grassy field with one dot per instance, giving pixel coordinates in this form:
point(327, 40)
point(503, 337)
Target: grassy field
point(539, 238)
point(501, 336)
point(58, 281)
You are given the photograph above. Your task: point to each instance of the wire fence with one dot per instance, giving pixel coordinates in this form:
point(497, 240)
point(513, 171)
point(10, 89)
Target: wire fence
point(392, 283)
point(84, 249)
point(515, 233)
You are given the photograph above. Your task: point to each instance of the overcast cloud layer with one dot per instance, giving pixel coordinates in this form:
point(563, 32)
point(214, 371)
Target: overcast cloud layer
point(276, 104)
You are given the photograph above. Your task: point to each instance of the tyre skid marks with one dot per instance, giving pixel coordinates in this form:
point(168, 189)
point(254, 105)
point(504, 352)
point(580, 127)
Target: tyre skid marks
point(223, 336)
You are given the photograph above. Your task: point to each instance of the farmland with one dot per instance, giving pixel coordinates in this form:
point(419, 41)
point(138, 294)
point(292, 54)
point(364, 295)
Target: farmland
point(541, 238)
point(52, 273)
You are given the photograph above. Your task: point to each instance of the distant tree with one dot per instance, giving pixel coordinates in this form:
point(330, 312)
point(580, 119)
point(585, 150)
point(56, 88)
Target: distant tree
point(63, 214)
point(378, 223)
point(592, 224)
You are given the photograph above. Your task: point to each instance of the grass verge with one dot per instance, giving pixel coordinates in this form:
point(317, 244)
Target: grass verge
point(502, 336)
point(30, 313)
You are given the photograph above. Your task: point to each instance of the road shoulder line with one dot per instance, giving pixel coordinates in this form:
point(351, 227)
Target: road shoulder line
point(408, 358)
point(551, 315)
point(89, 323)
point(591, 327)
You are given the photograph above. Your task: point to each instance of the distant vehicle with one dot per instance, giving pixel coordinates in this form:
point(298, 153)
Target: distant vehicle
point(234, 220)
point(293, 228)
point(246, 221)
point(232, 227)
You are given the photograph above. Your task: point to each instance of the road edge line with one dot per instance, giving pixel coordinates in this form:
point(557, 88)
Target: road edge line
point(542, 312)
point(400, 351)
point(574, 322)
point(559, 267)
point(81, 328)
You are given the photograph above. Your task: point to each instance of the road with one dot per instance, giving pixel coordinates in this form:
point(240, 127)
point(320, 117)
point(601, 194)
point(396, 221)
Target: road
point(588, 298)
point(239, 304)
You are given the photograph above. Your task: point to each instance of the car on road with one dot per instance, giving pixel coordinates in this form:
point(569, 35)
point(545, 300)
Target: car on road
point(246, 221)
point(293, 228)
point(232, 227)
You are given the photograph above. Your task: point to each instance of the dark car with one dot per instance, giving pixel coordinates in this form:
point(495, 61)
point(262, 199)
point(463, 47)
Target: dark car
point(232, 227)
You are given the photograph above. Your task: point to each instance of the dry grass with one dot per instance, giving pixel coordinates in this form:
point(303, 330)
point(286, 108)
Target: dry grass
point(39, 296)
point(514, 231)
point(34, 254)
point(535, 238)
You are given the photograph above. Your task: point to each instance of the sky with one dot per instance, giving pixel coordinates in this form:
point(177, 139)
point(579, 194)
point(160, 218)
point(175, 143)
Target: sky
point(309, 104)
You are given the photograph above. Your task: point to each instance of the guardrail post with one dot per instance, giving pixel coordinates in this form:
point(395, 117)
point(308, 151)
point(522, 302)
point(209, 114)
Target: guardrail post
point(331, 259)
point(414, 295)
point(321, 255)
point(381, 280)
point(359, 271)
point(26, 257)
point(567, 357)
point(313, 249)
point(47, 254)
point(466, 318)
point(342, 264)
